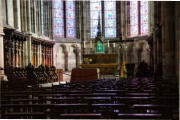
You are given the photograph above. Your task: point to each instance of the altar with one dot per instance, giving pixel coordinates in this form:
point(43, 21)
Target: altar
point(106, 63)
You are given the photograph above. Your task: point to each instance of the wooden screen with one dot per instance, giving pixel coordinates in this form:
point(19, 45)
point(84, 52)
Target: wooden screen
point(13, 48)
point(35, 53)
point(47, 54)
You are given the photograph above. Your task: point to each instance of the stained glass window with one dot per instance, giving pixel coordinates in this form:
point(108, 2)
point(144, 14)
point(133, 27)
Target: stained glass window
point(139, 21)
point(144, 17)
point(110, 18)
point(95, 12)
point(58, 18)
point(70, 19)
point(133, 18)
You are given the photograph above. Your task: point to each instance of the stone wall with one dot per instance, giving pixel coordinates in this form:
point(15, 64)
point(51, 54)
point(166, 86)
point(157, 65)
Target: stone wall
point(168, 40)
point(67, 56)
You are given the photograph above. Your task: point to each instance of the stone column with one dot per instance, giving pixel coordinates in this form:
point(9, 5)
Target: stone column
point(25, 16)
point(168, 40)
point(10, 13)
point(177, 25)
point(15, 14)
point(28, 12)
point(2, 75)
point(151, 16)
point(22, 15)
point(29, 54)
point(35, 16)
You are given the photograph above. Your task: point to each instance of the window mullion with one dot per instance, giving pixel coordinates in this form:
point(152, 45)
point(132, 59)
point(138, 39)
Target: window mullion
point(139, 18)
point(103, 19)
point(64, 10)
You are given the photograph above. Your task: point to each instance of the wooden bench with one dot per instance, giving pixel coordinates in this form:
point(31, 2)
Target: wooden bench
point(159, 107)
point(79, 100)
point(139, 116)
point(108, 107)
point(25, 115)
point(81, 116)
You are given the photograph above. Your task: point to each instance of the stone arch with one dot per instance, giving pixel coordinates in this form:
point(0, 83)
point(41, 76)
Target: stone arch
point(64, 48)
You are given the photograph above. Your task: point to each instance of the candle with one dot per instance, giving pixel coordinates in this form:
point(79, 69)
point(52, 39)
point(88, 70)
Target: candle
point(84, 44)
point(91, 44)
point(108, 43)
point(114, 45)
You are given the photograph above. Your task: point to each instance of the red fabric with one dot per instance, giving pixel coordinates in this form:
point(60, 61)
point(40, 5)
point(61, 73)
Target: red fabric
point(83, 75)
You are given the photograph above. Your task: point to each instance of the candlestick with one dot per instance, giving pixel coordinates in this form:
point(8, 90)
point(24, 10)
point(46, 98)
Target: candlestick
point(108, 43)
point(114, 45)
point(84, 44)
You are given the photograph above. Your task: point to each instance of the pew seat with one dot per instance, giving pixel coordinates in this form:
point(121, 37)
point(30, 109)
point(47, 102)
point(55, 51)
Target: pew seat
point(139, 115)
point(81, 115)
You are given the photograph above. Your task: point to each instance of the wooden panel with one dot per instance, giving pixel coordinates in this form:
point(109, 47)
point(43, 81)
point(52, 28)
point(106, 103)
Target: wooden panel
point(100, 58)
point(105, 69)
point(83, 74)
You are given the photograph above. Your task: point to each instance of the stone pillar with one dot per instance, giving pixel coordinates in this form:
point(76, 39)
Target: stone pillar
point(28, 16)
point(29, 54)
point(35, 16)
point(151, 16)
point(2, 75)
point(25, 16)
point(15, 14)
point(10, 13)
point(18, 15)
point(168, 40)
point(177, 25)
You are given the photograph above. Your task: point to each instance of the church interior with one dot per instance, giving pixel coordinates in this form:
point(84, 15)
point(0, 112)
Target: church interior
point(93, 59)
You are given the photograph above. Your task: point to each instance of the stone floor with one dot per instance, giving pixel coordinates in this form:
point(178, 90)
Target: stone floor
point(66, 79)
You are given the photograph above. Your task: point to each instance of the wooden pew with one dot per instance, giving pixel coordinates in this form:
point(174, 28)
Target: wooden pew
point(81, 116)
point(24, 115)
point(139, 116)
